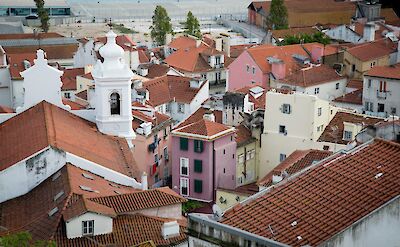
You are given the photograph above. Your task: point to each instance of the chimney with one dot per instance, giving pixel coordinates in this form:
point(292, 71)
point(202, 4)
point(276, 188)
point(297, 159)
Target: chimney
point(198, 42)
point(88, 68)
point(278, 69)
point(209, 115)
point(146, 126)
point(170, 229)
point(369, 32)
point(218, 43)
point(316, 53)
point(137, 84)
point(144, 181)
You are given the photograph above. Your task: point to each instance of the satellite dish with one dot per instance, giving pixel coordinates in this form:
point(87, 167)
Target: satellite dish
point(217, 211)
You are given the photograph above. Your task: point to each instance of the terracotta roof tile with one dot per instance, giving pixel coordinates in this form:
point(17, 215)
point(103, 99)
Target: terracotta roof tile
point(82, 94)
point(82, 205)
point(169, 87)
point(354, 97)
point(139, 200)
point(243, 135)
point(204, 128)
point(30, 36)
point(16, 62)
point(6, 109)
point(236, 50)
point(183, 42)
point(373, 50)
point(296, 162)
point(312, 76)
point(392, 72)
point(63, 130)
point(334, 131)
point(156, 70)
point(122, 40)
point(74, 105)
point(198, 115)
point(140, 117)
point(69, 78)
point(247, 189)
point(65, 51)
point(354, 83)
point(325, 199)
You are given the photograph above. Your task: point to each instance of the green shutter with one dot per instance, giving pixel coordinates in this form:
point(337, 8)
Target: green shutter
point(184, 143)
point(198, 146)
point(198, 166)
point(198, 186)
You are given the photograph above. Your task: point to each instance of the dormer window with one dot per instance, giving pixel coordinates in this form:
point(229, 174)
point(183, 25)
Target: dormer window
point(115, 104)
point(217, 60)
point(87, 227)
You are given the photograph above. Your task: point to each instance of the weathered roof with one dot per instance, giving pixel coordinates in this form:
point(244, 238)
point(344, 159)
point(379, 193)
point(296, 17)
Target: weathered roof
point(46, 125)
point(315, 205)
point(312, 76)
point(354, 97)
point(389, 72)
point(204, 129)
point(373, 50)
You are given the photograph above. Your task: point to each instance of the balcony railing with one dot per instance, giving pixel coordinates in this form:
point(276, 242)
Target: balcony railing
point(381, 95)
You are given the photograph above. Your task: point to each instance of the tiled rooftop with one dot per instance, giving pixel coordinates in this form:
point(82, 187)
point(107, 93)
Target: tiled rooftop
point(69, 78)
point(373, 50)
point(389, 72)
point(325, 199)
point(354, 98)
point(312, 76)
point(205, 129)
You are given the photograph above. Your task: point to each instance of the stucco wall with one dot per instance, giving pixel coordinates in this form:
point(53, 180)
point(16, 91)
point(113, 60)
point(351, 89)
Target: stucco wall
point(102, 224)
point(239, 77)
point(380, 228)
point(5, 87)
point(225, 162)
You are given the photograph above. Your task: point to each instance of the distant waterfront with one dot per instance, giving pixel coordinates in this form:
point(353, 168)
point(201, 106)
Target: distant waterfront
point(143, 9)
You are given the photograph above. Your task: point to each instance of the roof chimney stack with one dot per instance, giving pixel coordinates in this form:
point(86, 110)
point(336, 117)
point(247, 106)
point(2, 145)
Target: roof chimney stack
point(170, 229)
point(369, 32)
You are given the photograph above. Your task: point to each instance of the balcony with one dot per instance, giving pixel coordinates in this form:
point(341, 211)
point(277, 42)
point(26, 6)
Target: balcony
point(151, 147)
point(381, 95)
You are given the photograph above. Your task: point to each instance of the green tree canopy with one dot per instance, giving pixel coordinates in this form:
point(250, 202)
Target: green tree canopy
point(192, 25)
point(43, 15)
point(23, 239)
point(278, 16)
point(161, 25)
point(318, 37)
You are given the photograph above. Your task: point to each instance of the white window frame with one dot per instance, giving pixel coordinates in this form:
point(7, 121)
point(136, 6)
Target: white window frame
point(241, 158)
point(286, 109)
point(182, 181)
point(87, 227)
point(181, 108)
point(183, 162)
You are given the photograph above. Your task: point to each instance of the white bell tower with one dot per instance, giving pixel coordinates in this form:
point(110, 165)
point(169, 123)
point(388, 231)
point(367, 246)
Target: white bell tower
point(113, 91)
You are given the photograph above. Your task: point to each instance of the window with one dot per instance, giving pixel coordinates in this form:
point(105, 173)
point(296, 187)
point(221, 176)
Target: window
point(319, 111)
point(198, 186)
point(254, 70)
point(347, 135)
point(88, 227)
point(353, 67)
point(198, 146)
point(184, 164)
point(369, 106)
point(217, 77)
point(184, 143)
point(115, 104)
point(369, 83)
point(198, 166)
point(282, 129)
point(337, 86)
point(165, 132)
point(282, 157)
point(204, 76)
point(373, 64)
point(224, 151)
point(217, 60)
point(316, 90)
point(247, 68)
point(166, 156)
point(325, 147)
point(286, 109)
point(382, 86)
point(184, 186)
point(392, 110)
point(241, 158)
point(181, 108)
point(67, 95)
point(381, 107)
point(167, 107)
point(156, 160)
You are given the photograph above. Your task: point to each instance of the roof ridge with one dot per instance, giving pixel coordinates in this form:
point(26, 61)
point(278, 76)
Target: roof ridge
point(48, 121)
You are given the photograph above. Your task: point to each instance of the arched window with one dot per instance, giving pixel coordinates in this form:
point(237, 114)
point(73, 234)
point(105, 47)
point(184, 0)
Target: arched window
point(115, 104)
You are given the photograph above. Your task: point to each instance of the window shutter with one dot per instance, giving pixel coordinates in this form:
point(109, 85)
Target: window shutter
point(198, 186)
point(198, 166)
point(184, 143)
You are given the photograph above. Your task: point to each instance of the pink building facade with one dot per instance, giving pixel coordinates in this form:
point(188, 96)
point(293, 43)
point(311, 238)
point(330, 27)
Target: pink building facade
point(244, 72)
point(201, 165)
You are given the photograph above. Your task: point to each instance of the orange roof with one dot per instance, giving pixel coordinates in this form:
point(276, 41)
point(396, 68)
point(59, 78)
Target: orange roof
point(139, 200)
point(184, 42)
point(82, 94)
point(205, 129)
point(354, 83)
point(354, 97)
point(6, 109)
point(16, 62)
point(30, 36)
point(284, 53)
point(243, 135)
point(373, 50)
point(334, 131)
point(392, 71)
point(122, 40)
point(61, 129)
point(236, 50)
point(74, 105)
point(168, 88)
point(81, 205)
point(296, 162)
point(327, 198)
point(198, 115)
point(311, 76)
point(69, 78)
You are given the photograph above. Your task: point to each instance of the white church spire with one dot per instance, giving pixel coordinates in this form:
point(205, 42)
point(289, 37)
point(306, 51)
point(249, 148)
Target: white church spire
point(113, 91)
point(42, 82)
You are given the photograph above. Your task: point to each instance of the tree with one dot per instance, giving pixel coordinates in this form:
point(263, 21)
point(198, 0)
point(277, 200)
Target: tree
point(23, 239)
point(278, 16)
point(161, 25)
point(318, 37)
point(43, 15)
point(192, 25)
